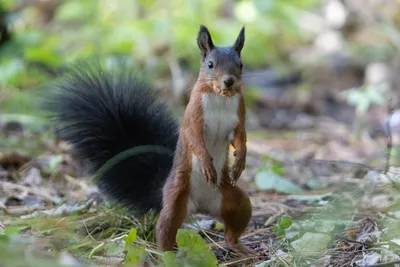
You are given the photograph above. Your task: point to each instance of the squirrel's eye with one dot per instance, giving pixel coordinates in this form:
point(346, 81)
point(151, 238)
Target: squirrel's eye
point(210, 64)
point(241, 66)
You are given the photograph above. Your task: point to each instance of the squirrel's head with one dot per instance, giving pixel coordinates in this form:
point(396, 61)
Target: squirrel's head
point(220, 67)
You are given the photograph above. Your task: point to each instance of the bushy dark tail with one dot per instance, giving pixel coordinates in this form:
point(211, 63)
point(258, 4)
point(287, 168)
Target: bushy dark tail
point(103, 113)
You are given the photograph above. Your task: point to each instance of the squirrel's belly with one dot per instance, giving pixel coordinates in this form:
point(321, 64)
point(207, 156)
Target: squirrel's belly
point(220, 120)
point(203, 197)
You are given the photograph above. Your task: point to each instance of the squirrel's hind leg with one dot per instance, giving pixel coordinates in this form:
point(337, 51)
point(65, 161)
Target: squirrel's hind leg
point(174, 211)
point(236, 213)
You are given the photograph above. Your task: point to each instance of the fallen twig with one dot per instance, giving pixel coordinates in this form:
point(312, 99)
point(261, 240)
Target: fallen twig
point(62, 210)
point(38, 192)
point(21, 210)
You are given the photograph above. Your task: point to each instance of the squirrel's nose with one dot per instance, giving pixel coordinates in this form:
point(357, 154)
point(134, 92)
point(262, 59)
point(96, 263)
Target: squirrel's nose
point(229, 81)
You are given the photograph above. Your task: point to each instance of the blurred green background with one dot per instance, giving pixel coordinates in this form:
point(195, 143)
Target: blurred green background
point(323, 71)
point(56, 32)
point(325, 43)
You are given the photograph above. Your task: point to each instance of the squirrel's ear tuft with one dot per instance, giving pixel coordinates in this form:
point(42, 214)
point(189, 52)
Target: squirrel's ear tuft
point(238, 46)
point(204, 41)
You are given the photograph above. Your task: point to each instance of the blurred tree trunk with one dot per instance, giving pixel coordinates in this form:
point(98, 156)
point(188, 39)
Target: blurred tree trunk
point(4, 32)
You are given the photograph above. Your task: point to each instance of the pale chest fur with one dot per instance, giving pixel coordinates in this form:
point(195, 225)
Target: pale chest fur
point(220, 119)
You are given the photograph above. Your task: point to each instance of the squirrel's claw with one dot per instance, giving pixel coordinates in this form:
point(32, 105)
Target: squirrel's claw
point(237, 170)
point(210, 174)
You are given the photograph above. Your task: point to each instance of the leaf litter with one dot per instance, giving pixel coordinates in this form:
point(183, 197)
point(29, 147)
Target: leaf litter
point(316, 202)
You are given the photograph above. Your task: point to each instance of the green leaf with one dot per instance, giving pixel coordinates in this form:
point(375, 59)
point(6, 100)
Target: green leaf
point(393, 230)
point(219, 226)
point(134, 253)
point(169, 259)
point(363, 97)
point(283, 224)
point(11, 230)
point(327, 226)
point(190, 239)
point(193, 251)
point(267, 180)
point(311, 243)
point(131, 236)
point(278, 169)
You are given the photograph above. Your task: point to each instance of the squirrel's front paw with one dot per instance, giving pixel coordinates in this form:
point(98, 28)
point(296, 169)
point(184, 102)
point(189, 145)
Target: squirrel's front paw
point(209, 172)
point(238, 166)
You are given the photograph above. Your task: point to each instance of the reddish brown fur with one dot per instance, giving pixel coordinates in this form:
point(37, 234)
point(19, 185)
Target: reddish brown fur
point(176, 190)
point(175, 199)
point(192, 132)
point(236, 207)
point(236, 212)
point(239, 141)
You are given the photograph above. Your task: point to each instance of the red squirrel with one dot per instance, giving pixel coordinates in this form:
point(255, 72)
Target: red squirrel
point(105, 112)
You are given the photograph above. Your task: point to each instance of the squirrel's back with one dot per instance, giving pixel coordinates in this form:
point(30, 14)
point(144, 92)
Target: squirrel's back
point(103, 113)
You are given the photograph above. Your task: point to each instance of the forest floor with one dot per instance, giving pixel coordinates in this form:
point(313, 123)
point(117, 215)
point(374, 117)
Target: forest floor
point(320, 196)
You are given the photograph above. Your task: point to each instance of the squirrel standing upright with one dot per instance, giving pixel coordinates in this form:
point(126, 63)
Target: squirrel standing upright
point(103, 113)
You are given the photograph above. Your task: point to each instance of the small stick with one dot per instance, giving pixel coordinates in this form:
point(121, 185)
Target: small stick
point(35, 191)
point(389, 137)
